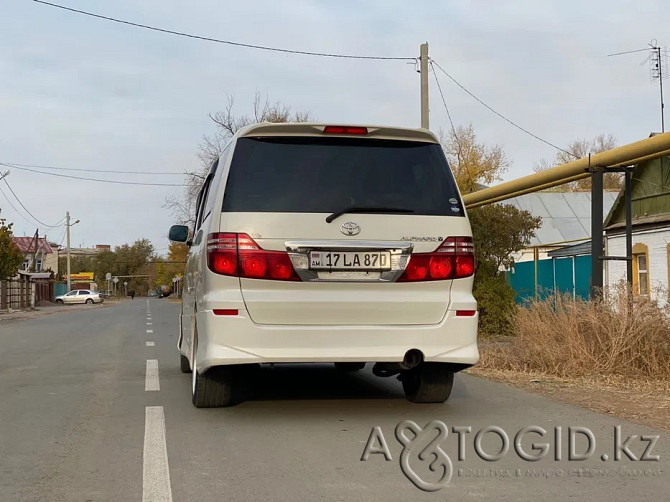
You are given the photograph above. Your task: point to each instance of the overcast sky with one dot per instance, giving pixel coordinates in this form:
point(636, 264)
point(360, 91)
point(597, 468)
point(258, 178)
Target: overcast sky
point(83, 93)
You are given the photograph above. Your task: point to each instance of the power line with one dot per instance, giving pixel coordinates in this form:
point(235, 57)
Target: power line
point(17, 165)
point(27, 211)
point(95, 179)
point(12, 206)
point(219, 41)
point(453, 129)
point(500, 114)
point(444, 101)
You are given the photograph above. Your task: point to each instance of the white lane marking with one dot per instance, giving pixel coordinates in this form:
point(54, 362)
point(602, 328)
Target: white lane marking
point(151, 380)
point(148, 324)
point(150, 331)
point(155, 471)
point(151, 344)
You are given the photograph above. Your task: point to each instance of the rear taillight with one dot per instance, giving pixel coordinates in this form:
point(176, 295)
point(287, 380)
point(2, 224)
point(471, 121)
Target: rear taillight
point(453, 259)
point(238, 255)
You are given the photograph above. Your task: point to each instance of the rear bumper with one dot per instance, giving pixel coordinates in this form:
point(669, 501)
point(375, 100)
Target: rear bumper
point(224, 340)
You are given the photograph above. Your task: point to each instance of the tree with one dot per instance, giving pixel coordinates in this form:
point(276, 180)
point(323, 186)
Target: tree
point(11, 257)
point(580, 149)
point(472, 163)
point(175, 265)
point(498, 230)
point(211, 147)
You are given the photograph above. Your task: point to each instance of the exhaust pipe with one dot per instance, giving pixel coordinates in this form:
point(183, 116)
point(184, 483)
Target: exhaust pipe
point(412, 359)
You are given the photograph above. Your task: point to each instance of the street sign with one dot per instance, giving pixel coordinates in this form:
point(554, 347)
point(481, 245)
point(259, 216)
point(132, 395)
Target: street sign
point(108, 276)
point(115, 280)
point(125, 283)
point(174, 279)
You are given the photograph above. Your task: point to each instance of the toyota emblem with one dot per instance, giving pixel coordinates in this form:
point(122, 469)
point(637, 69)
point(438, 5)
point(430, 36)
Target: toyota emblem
point(350, 228)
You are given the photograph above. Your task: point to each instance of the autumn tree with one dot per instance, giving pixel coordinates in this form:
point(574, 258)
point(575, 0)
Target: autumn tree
point(210, 148)
point(499, 230)
point(473, 164)
point(580, 149)
point(173, 266)
point(11, 257)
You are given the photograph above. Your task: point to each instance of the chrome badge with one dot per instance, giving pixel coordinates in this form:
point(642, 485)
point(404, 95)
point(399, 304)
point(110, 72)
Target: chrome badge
point(350, 228)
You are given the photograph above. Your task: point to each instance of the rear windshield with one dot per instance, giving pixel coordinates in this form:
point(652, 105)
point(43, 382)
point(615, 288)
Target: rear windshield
point(324, 175)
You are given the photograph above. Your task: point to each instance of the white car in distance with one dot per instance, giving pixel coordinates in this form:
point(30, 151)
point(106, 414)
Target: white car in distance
point(79, 296)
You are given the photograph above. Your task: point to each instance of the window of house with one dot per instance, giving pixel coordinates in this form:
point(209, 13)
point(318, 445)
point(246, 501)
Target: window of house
point(642, 273)
point(38, 266)
point(641, 279)
point(26, 264)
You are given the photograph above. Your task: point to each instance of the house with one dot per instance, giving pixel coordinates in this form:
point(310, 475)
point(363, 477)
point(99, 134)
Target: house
point(45, 256)
point(650, 209)
point(566, 219)
point(558, 258)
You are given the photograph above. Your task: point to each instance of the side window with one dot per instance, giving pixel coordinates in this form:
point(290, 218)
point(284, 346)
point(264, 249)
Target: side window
point(202, 196)
point(641, 278)
point(215, 182)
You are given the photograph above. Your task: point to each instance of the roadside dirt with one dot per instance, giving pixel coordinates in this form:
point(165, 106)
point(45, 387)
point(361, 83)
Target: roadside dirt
point(645, 402)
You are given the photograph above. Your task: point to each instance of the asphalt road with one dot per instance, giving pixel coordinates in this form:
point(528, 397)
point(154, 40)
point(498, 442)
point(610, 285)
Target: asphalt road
point(79, 422)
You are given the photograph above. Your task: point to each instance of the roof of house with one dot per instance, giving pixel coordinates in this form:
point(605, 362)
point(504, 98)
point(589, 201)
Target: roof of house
point(582, 248)
point(566, 216)
point(27, 245)
point(650, 196)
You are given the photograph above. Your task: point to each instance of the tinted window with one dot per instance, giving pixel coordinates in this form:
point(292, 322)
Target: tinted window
point(323, 175)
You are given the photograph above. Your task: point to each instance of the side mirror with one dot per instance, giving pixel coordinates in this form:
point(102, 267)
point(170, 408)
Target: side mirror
point(178, 233)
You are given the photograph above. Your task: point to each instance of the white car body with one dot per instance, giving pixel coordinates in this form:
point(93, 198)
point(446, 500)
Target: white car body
point(326, 315)
point(79, 296)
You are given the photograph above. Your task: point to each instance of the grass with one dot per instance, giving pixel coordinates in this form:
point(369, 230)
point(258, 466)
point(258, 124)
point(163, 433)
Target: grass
point(616, 337)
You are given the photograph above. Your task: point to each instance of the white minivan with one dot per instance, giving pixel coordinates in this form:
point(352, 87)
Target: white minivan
point(322, 243)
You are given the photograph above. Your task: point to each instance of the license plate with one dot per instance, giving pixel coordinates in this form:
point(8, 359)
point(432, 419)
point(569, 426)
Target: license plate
point(350, 260)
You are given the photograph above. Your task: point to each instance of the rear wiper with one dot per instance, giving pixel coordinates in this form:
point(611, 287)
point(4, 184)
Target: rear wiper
point(367, 209)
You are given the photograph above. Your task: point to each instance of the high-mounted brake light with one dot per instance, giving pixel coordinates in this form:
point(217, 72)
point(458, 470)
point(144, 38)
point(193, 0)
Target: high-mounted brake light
point(345, 130)
point(453, 259)
point(238, 255)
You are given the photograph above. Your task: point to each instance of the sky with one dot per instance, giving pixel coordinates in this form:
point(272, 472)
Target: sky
point(83, 93)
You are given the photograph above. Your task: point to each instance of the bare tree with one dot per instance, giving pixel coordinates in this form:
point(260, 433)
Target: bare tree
point(211, 146)
point(580, 149)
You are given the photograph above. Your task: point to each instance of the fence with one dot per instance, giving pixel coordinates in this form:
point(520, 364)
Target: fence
point(569, 275)
point(17, 293)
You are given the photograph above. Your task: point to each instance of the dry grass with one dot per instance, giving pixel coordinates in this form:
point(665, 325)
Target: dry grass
point(566, 338)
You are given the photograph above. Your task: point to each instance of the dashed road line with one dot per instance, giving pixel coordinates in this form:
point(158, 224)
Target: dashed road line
point(151, 382)
point(150, 331)
point(151, 344)
point(155, 470)
point(148, 324)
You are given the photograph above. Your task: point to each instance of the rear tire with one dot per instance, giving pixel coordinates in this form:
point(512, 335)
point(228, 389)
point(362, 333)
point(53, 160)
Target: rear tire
point(184, 365)
point(349, 366)
point(428, 383)
point(219, 386)
point(89, 300)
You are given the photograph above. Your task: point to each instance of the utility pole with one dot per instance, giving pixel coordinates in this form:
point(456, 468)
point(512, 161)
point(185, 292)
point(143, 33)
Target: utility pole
point(36, 239)
point(423, 61)
point(658, 71)
point(67, 231)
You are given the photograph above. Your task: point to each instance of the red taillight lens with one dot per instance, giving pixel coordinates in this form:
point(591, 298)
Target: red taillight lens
point(222, 253)
point(465, 265)
point(453, 259)
point(417, 268)
point(345, 130)
point(238, 255)
point(254, 265)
